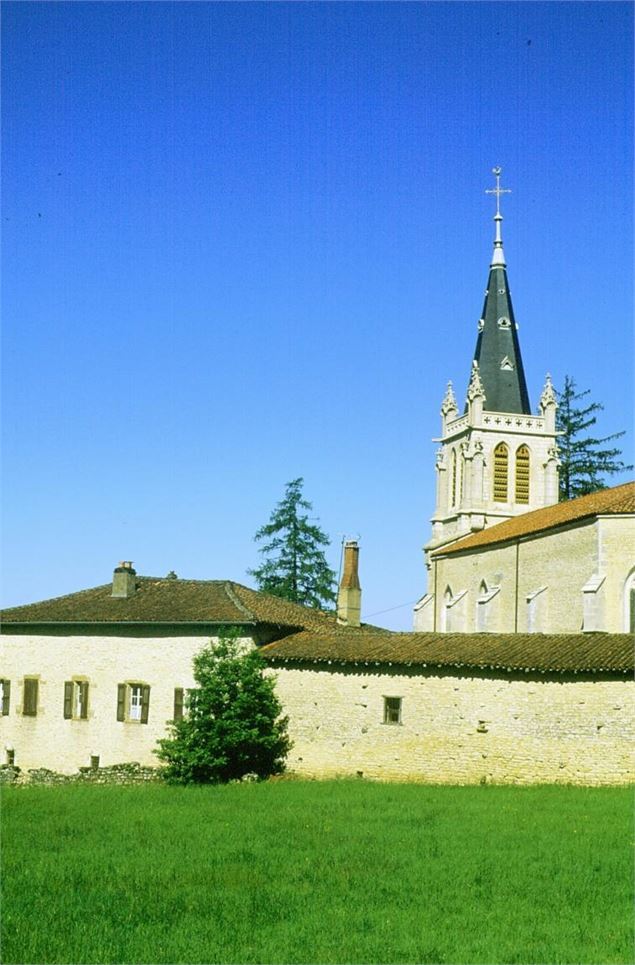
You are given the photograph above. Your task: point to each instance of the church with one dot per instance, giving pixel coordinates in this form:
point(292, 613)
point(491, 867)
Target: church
point(519, 670)
point(504, 555)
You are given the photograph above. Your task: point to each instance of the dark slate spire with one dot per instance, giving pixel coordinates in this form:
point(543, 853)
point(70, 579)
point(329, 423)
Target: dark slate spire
point(497, 347)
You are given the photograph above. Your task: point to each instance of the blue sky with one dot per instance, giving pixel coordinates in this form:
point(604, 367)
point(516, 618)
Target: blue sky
point(249, 242)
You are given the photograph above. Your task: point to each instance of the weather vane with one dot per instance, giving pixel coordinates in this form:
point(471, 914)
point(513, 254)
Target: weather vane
point(498, 190)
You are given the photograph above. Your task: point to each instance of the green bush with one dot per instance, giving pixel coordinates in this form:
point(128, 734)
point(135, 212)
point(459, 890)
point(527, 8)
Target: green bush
point(232, 724)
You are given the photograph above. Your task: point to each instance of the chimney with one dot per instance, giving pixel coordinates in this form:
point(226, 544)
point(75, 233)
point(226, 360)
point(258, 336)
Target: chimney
point(123, 581)
point(349, 596)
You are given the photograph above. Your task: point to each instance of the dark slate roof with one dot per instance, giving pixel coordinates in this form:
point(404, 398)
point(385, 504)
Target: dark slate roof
point(615, 501)
point(170, 601)
point(505, 389)
point(543, 653)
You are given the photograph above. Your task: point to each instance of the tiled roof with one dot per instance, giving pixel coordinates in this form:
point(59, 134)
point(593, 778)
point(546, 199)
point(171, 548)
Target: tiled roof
point(618, 500)
point(161, 600)
point(545, 653)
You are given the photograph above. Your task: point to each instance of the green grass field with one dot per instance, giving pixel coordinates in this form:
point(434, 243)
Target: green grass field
point(317, 872)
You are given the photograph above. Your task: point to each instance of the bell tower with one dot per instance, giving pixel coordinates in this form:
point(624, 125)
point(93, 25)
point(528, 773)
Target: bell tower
point(495, 459)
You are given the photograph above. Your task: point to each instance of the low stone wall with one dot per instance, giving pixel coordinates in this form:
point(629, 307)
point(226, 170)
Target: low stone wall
point(131, 773)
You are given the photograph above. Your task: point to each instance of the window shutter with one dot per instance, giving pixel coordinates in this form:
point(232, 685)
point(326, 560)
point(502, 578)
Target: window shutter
point(145, 704)
point(68, 699)
point(83, 690)
point(6, 691)
point(121, 701)
point(179, 695)
point(30, 697)
point(178, 703)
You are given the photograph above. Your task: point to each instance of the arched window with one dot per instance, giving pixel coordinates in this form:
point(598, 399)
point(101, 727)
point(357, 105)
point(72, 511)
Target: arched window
point(629, 604)
point(445, 612)
point(522, 474)
point(500, 473)
point(453, 480)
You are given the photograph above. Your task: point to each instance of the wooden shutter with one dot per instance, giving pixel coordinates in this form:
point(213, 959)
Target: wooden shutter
point(68, 699)
point(178, 703)
point(30, 697)
point(121, 701)
point(6, 691)
point(83, 697)
point(145, 703)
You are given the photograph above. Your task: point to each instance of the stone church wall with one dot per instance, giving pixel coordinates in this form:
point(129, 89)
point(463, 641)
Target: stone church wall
point(559, 563)
point(459, 727)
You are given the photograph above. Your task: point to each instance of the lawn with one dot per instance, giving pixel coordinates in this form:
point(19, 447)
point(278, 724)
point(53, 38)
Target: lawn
point(317, 872)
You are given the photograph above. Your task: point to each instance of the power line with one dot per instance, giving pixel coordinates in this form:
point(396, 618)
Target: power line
point(389, 610)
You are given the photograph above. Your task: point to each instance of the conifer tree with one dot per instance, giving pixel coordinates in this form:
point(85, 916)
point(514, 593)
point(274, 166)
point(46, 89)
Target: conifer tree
point(295, 566)
point(583, 462)
point(232, 725)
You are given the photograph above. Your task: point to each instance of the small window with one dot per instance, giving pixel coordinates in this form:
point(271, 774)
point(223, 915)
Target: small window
point(29, 704)
point(133, 702)
point(500, 473)
point(136, 701)
point(178, 703)
point(76, 700)
point(5, 696)
point(392, 710)
point(522, 474)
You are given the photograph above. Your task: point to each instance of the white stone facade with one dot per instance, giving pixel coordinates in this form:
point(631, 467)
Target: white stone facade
point(47, 739)
point(455, 727)
point(459, 728)
point(565, 580)
point(466, 498)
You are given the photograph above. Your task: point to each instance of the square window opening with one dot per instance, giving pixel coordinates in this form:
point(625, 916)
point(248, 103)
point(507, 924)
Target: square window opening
point(392, 710)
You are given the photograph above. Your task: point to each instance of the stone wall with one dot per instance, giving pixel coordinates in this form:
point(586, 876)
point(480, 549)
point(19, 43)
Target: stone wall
point(48, 739)
point(562, 561)
point(130, 773)
point(459, 728)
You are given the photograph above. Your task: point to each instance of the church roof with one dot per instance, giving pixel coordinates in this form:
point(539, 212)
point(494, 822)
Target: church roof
point(540, 652)
point(617, 500)
point(498, 350)
point(497, 347)
point(159, 600)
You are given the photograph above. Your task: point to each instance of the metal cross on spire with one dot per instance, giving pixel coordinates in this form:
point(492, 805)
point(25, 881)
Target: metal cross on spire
point(498, 257)
point(498, 190)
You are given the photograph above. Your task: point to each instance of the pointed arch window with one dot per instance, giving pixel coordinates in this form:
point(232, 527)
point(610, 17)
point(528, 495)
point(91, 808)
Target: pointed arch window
point(501, 472)
point(453, 480)
point(522, 474)
point(629, 604)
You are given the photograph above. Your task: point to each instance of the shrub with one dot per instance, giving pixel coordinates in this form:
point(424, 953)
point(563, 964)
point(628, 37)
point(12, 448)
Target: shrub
point(232, 724)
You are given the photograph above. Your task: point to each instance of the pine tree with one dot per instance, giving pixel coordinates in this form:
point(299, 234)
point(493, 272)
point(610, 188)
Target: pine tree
point(232, 724)
point(582, 461)
point(295, 566)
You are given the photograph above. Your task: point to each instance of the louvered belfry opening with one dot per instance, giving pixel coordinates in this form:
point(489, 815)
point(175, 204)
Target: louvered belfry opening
point(522, 474)
point(501, 473)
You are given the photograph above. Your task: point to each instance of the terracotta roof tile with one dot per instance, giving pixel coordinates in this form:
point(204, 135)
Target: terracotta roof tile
point(618, 500)
point(556, 653)
point(161, 600)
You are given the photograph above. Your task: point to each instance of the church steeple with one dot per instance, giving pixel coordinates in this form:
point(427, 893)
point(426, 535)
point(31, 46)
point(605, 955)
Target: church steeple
point(495, 459)
point(497, 347)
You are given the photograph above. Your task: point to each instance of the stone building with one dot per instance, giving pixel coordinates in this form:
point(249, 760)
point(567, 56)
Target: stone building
point(95, 676)
point(531, 678)
point(495, 460)
point(566, 568)
point(504, 554)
